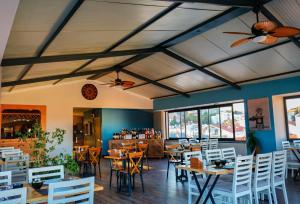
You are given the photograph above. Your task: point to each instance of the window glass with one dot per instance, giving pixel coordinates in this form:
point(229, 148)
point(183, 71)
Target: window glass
point(204, 123)
point(191, 124)
point(239, 121)
point(293, 117)
point(175, 125)
point(214, 123)
point(226, 122)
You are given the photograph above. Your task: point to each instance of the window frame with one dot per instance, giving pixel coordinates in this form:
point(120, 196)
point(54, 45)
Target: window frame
point(198, 109)
point(286, 116)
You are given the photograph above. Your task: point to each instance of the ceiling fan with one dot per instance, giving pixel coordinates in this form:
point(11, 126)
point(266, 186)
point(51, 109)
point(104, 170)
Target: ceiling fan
point(264, 32)
point(119, 82)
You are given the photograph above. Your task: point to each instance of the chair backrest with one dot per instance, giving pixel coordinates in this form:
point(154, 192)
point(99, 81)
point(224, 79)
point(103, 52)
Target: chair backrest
point(213, 154)
point(46, 173)
point(5, 178)
point(278, 166)
point(72, 191)
point(94, 155)
point(204, 144)
point(193, 141)
point(242, 175)
point(18, 165)
point(183, 141)
point(16, 196)
point(285, 145)
point(296, 143)
point(11, 152)
point(213, 144)
point(135, 163)
point(189, 155)
point(228, 153)
point(6, 148)
point(262, 173)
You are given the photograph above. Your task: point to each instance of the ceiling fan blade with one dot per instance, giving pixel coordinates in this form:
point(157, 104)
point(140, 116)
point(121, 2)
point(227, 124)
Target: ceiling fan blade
point(127, 84)
point(269, 40)
point(240, 42)
point(238, 33)
point(285, 31)
point(265, 26)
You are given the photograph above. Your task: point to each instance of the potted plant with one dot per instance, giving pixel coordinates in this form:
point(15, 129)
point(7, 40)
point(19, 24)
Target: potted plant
point(252, 142)
point(43, 146)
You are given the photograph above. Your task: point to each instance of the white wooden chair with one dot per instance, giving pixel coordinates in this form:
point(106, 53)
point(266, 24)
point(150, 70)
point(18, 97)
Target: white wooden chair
point(77, 190)
point(192, 187)
point(278, 175)
point(292, 162)
point(18, 165)
point(262, 176)
point(296, 143)
point(213, 154)
point(213, 144)
point(15, 196)
point(241, 185)
point(46, 173)
point(228, 153)
point(5, 178)
point(183, 141)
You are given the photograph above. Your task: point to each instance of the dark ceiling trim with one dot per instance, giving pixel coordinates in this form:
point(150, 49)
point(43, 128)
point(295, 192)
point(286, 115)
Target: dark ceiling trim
point(55, 77)
point(74, 57)
point(198, 29)
point(154, 82)
point(239, 82)
point(52, 36)
point(271, 17)
point(236, 3)
point(221, 61)
point(131, 34)
point(198, 67)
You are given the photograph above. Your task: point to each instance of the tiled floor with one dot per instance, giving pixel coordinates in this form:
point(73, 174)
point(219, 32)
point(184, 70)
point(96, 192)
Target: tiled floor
point(159, 190)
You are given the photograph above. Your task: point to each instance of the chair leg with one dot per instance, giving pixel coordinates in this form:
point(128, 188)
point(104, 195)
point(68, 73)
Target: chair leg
point(269, 196)
point(129, 184)
point(147, 163)
point(168, 169)
point(286, 200)
point(250, 198)
point(110, 178)
point(99, 166)
point(142, 181)
point(256, 197)
point(274, 195)
point(133, 181)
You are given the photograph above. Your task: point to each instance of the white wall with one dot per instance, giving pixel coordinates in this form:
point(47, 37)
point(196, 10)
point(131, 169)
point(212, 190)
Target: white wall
point(279, 120)
point(60, 101)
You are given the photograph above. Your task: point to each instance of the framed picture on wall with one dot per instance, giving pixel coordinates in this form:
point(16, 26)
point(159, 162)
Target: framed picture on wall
point(259, 114)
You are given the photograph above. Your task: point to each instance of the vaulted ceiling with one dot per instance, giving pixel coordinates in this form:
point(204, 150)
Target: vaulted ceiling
point(198, 54)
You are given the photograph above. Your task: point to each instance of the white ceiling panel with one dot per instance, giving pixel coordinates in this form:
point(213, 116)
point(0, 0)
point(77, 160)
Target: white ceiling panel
point(290, 52)
point(267, 63)
point(33, 21)
point(287, 11)
point(150, 91)
point(105, 63)
point(112, 76)
point(191, 81)
point(11, 73)
point(157, 66)
point(83, 41)
point(73, 79)
point(34, 85)
point(24, 44)
point(50, 69)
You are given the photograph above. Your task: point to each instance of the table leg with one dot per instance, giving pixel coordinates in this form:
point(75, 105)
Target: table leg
point(203, 189)
point(298, 171)
point(211, 189)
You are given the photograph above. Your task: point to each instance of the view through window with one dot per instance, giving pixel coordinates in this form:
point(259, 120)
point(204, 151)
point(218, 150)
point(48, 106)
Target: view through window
point(292, 112)
point(222, 122)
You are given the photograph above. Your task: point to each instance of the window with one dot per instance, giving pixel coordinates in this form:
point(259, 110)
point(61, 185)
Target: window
point(292, 113)
point(226, 122)
point(183, 124)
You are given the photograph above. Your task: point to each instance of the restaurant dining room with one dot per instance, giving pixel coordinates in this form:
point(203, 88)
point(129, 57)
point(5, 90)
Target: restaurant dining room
point(150, 101)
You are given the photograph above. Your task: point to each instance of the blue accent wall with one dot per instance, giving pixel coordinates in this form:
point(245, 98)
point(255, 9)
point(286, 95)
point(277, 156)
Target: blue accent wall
point(248, 91)
point(113, 120)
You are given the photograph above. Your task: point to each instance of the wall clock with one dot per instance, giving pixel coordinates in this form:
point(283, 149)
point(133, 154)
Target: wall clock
point(89, 91)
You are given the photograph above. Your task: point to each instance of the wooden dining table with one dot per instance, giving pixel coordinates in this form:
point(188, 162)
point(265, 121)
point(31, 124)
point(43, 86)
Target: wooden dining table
point(36, 196)
point(210, 171)
point(296, 151)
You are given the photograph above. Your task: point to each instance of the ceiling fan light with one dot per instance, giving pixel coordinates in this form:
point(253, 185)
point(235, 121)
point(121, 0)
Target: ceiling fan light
point(260, 39)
